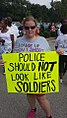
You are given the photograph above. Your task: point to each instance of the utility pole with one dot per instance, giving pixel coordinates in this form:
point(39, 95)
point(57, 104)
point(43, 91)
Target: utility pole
point(52, 10)
point(52, 3)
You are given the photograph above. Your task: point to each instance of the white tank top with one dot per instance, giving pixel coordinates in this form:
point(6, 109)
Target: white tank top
point(7, 47)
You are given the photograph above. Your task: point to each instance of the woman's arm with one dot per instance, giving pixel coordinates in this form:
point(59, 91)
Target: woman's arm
point(12, 39)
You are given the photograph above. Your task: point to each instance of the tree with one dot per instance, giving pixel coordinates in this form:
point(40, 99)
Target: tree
point(64, 1)
point(14, 8)
point(18, 9)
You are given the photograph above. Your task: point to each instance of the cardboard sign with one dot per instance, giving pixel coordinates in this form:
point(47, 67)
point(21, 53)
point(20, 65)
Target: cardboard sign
point(32, 72)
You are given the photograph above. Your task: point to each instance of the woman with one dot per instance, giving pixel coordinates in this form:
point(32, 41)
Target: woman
point(32, 42)
point(61, 48)
point(5, 37)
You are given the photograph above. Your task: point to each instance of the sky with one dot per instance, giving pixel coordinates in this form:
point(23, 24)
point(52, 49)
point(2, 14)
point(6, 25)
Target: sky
point(42, 2)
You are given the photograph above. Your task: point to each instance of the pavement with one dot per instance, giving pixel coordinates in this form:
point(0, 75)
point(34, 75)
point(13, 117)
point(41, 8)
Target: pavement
point(15, 105)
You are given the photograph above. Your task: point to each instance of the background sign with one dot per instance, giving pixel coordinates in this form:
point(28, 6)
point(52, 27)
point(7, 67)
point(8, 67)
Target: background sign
point(32, 72)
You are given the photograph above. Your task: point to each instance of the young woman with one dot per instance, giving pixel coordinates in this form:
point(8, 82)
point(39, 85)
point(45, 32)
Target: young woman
point(27, 44)
point(61, 48)
point(6, 38)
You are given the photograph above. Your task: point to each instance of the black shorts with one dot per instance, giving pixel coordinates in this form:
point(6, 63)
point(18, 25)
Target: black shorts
point(62, 63)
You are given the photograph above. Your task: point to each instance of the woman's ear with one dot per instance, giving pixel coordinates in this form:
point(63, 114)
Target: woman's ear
point(37, 31)
point(24, 32)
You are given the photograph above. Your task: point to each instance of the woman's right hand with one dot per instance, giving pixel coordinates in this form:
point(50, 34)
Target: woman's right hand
point(2, 63)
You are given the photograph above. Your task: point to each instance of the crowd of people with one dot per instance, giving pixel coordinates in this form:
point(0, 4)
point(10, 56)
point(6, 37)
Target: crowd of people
point(27, 43)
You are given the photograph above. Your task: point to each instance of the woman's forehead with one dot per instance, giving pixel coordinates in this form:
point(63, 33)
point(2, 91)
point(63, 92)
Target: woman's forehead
point(29, 22)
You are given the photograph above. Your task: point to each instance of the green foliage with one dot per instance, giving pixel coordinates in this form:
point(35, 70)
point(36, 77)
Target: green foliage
point(18, 9)
point(47, 33)
point(52, 34)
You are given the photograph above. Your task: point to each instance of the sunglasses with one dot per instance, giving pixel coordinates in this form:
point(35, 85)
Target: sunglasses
point(29, 27)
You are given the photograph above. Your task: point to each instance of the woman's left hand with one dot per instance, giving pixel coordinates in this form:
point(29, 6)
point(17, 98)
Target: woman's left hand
point(60, 51)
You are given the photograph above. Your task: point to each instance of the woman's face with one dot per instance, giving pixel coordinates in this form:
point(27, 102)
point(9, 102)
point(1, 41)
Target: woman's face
point(30, 29)
point(3, 25)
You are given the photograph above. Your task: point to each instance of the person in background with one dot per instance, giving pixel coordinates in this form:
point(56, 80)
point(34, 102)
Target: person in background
point(52, 27)
point(32, 42)
point(42, 28)
point(8, 40)
point(62, 22)
point(13, 28)
point(61, 48)
point(58, 32)
point(1, 40)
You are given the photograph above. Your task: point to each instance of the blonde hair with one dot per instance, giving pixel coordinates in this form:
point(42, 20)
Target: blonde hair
point(28, 18)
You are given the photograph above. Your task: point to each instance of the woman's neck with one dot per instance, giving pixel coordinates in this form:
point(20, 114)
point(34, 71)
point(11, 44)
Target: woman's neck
point(4, 30)
point(31, 38)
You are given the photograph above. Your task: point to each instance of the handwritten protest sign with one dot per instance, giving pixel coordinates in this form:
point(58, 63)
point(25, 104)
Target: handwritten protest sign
point(32, 72)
